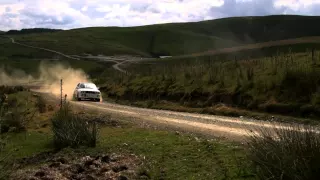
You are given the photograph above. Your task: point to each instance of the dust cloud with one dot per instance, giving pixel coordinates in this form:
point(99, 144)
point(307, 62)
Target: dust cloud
point(49, 78)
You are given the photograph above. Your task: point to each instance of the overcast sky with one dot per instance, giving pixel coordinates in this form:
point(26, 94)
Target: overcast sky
point(66, 14)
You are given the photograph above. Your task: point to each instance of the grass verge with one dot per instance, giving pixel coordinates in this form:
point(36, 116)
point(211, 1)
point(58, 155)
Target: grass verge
point(286, 153)
point(166, 155)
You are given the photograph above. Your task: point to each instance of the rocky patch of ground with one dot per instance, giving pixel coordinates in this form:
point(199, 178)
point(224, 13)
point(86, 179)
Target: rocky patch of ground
point(106, 167)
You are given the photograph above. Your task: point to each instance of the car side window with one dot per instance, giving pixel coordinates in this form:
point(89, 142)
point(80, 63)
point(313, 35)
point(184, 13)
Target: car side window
point(82, 86)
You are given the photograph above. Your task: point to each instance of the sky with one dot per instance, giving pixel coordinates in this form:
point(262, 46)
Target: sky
point(68, 14)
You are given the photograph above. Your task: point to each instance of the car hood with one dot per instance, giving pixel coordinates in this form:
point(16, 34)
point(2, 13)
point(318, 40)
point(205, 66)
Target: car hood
point(87, 89)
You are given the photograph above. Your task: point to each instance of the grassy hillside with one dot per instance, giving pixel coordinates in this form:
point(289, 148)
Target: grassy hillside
point(256, 28)
point(176, 38)
point(11, 51)
point(139, 41)
point(13, 56)
point(283, 84)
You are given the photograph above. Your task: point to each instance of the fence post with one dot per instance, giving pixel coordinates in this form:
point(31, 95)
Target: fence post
point(61, 98)
point(65, 99)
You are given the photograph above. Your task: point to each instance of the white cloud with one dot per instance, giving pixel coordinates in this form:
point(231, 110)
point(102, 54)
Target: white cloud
point(84, 9)
point(65, 14)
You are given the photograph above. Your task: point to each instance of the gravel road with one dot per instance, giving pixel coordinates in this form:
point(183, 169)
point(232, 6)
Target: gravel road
point(235, 129)
point(226, 127)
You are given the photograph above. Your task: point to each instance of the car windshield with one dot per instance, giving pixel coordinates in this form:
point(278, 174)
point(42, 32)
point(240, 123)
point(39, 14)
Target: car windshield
point(90, 86)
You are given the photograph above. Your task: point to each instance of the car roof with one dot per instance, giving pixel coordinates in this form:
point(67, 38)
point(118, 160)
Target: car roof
point(86, 83)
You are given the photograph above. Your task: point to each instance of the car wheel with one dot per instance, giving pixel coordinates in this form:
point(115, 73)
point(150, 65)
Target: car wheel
point(77, 97)
point(74, 97)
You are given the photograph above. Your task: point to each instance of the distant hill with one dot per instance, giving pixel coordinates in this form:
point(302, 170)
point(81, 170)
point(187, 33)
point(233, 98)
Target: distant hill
point(174, 38)
point(256, 28)
point(143, 41)
point(32, 31)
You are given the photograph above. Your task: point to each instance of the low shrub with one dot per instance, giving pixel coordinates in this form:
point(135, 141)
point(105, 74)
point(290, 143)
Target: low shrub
point(50, 108)
point(287, 153)
point(12, 101)
point(71, 130)
point(11, 89)
point(16, 121)
point(14, 118)
point(41, 104)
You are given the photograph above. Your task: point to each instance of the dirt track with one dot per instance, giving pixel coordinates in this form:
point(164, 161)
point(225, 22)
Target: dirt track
point(237, 129)
point(49, 50)
point(117, 61)
point(232, 128)
point(226, 127)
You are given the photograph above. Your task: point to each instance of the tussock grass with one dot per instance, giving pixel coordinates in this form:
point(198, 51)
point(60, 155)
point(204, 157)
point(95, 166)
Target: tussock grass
point(16, 120)
point(14, 115)
point(288, 153)
point(70, 130)
point(285, 83)
point(11, 89)
point(41, 104)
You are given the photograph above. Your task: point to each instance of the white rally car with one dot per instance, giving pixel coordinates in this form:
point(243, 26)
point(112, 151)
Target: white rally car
point(87, 91)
